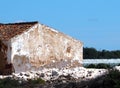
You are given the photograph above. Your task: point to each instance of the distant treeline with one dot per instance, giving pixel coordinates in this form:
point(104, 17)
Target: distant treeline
point(92, 53)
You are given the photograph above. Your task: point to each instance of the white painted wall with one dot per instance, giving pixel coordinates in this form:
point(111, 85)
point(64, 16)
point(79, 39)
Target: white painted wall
point(44, 46)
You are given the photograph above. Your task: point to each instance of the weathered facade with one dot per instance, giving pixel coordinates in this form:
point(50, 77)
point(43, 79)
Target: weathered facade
point(33, 46)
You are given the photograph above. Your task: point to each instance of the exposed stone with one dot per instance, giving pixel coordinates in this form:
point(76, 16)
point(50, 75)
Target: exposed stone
point(42, 75)
point(21, 74)
point(54, 73)
point(27, 75)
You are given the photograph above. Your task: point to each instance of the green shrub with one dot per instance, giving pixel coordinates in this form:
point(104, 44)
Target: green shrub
point(99, 66)
point(9, 83)
point(36, 81)
point(12, 83)
point(118, 65)
point(112, 79)
point(91, 66)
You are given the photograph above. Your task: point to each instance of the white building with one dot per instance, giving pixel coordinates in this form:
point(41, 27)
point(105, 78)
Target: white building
point(32, 46)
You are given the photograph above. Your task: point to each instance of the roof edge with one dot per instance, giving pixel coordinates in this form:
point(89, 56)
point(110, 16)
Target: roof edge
point(32, 22)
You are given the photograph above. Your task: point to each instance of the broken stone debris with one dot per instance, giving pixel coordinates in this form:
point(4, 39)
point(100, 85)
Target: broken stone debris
point(80, 73)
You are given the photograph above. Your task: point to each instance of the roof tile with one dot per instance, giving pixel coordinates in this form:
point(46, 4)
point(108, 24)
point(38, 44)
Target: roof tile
point(7, 31)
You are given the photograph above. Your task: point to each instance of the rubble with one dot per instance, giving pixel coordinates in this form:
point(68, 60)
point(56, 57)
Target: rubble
point(78, 73)
point(117, 68)
point(78, 77)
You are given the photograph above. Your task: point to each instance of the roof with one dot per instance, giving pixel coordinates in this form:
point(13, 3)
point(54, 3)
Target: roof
point(7, 31)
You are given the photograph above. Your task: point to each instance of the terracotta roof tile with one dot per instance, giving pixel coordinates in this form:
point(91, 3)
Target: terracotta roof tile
point(10, 30)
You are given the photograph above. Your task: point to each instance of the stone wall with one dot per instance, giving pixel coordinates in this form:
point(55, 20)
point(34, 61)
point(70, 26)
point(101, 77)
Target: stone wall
point(43, 46)
point(5, 66)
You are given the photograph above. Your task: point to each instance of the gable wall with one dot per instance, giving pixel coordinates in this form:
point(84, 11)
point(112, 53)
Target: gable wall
point(61, 48)
point(41, 47)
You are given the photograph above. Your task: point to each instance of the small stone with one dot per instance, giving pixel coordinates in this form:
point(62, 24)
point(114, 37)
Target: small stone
point(21, 74)
point(37, 74)
point(83, 77)
point(42, 75)
point(64, 81)
point(20, 81)
point(27, 75)
point(54, 73)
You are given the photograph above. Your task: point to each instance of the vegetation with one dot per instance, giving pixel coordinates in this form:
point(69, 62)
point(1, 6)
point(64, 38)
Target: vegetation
point(99, 66)
point(12, 83)
point(111, 80)
point(92, 53)
point(118, 65)
point(9, 83)
point(35, 82)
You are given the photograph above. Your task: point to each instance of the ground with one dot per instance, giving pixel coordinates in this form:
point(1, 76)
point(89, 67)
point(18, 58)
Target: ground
point(61, 78)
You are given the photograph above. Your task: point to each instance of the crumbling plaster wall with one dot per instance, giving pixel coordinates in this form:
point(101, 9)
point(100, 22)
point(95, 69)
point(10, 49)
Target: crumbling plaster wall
point(5, 60)
point(42, 46)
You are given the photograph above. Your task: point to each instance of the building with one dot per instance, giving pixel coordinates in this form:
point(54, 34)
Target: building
point(32, 46)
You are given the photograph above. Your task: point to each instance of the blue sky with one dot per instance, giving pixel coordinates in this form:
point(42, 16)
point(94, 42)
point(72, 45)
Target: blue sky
point(95, 22)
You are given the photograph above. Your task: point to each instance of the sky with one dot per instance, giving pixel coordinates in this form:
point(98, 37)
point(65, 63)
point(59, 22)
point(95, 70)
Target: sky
point(94, 22)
